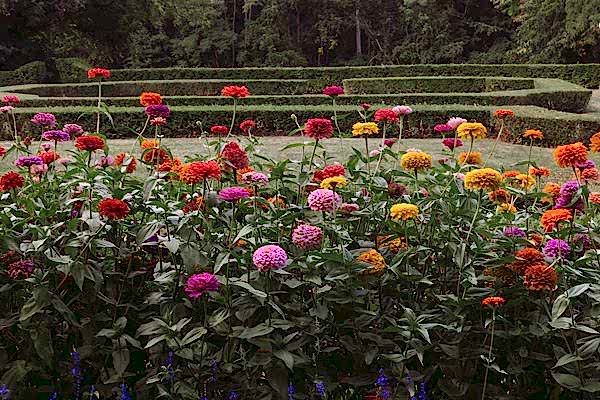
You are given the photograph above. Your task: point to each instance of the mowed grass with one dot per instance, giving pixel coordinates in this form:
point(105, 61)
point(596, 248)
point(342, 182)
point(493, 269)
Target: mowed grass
point(506, 156)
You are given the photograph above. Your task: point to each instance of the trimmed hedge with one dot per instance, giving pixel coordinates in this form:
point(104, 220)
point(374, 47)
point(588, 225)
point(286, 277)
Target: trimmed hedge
point(276, 120)
point(549, 93)
point(435, 84)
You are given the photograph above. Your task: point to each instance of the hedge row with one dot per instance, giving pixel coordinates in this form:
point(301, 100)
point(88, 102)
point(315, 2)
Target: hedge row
point(435, 84)
point(558, 127)
point(549, 93)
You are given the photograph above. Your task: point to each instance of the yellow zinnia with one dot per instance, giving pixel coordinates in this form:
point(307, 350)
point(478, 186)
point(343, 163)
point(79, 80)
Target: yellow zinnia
point(374, 259)
point(404, 211)
point(361, 129)
point(507, 208)
point(473, 158)
point(485, 179)
point(471, 130)
point(333, 182)
point(414, 160)
point(524, 181)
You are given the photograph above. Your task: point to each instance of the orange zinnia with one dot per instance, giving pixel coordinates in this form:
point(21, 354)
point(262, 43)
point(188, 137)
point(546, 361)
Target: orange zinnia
point(150, 99)
point(525, 259)
point(541, 171)
point(595, 198)
point(500, 114)
point(595, 143)
point(551, 218)
point(533, 134)
point(473, 158)
point(570, 155)
point(540, 277)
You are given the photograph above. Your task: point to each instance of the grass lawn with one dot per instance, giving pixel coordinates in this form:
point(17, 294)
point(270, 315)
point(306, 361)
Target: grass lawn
point(506, 155)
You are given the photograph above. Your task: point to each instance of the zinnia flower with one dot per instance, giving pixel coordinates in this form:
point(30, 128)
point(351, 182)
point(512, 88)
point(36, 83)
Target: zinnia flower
point(198, 171)
point(255, 178)
point(494, 301)
point(11, 180)
point(533, 134)
point(389, 142)
point(158, 110)
point(20, 269)
point(333, 91)
point(152, 153)
point(73, 129)
point(334, 182)
point(455, 122)
point(28, 161)
point(48, 157)
point(235, 91)
point(158, 121)
point(219, 130)
point(235, 156)
point(318, 128)
point(500, 196)
point(416, 161)
point(541, 171)
point(44, 119)
point(5, 109)
point(11, 99)
point(540, 277)
point(247, 126)
point(525, 258)
point(393, 245)
point(324, 200)
point(506, 208)
point(361, 129)
point(404, 211)
point(471, 158)
point(452, 143)
point(557, 248)
point(56, 136)
point(595, 143)
point(126, 160)
point(551, 218)
point(524, 181)
point(502, 114)
point(113, 209)
point(443, 128)
point(150, 99)
point(89, 143)
point(386, 115)
point(233, 193)
point(375, 261)
point(270, 257)
point(570, 155)
point(98, 72)
point(593, 198)
point(307, 237)
point(365, 106)
point(514, 231)
point(349, 208)
point(402, 110)
point(471, 130)
point(483, 179)
point(396, 190)
point(198, 284)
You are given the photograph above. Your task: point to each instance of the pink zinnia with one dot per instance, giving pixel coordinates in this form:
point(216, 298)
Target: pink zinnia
point(348, 208)
point(389, 142)
point(333, 91)
point(386, 116)
point(454, 122)
point(267, 258)
point(307, 237)
point(318, 128)
point(443, 128)
point(73, 129)
point(452, 143)
point(402, 110)
point(233, 193)
point(6, 109)
point(158, 121)
point(255, 178)
point(198, 284)
point(11, 99)
point(324, 200)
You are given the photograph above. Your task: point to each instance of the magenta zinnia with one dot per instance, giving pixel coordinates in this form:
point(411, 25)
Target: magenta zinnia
point(269, 257)
point(198, 284)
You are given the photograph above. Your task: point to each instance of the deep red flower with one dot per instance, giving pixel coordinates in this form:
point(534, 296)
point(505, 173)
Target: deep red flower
point(329, 172)
point(235, 91)
point(219, 130)
point(248, 125)
point(235, 156)
point(48, 157)
point(365, 106)
point(494, 301)
point(96, 72)
point(113, 209)
point(2, 151)
point(318, 128)
point(333, 91)
point(89, 143)
point(11, 180)
point(386, 116)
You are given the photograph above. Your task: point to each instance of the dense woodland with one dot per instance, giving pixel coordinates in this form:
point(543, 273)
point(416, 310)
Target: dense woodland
point(224, 33)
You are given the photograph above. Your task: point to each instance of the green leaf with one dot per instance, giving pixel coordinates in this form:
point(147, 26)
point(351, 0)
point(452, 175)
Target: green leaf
point(567, 380)
point(560, 305)
point(120, 360)
point(567, 359)
point(155, 341)
point(193, 335)
point(286, 357)
point(258, 330)
point(247, 286)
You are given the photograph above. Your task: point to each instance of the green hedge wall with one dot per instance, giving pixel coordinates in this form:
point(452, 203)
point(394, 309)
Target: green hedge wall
point(558, 127)
point(435, 84)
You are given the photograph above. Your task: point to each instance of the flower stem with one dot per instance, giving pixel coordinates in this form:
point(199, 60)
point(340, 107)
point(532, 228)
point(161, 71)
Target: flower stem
point(98, 107)
point(487, 369)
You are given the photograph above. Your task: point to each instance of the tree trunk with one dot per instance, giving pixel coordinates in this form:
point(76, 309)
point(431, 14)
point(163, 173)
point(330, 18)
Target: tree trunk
point(358, 34)
point(233, 32)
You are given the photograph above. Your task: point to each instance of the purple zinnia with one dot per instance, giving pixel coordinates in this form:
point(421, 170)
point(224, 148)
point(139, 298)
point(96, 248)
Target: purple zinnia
point(567, 191)
point(307, 237)
point(452, 143)
point(198, 284)
point(513, 231)
point(158, 110)
point(56, 136)
point(556, 248)
point(28, 161)
point(269, 257)
point(44, 119)
point(233, 193)
point(73, 129)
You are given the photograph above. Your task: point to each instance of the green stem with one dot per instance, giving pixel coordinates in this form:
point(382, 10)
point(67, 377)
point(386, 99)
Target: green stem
point(98, 107)
point(487, 369)
point(367, 155)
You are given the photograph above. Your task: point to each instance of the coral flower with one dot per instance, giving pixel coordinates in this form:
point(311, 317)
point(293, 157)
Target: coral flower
point(318, 128)
point(375, 261)
point(235, 156)
point(484, 179)
point(362, 129)
point(113, 209)
point(98, 72)
point(525, 258)
point(324, 200)
point(471, 130)
point(198, 284)
point(416, 161)
point(307, 237)
point(199, 171)
point(333, 91)
point(270, 257)
point(589, 174)
point(386, 115)
point(89, 143)
point(150, 99)
point(235, 91)
point(502, 114)
point(11, 180)
point(540, 277)
point(404, 211)
point(494, 301)
point(570, 155)
point(595, 143)
point(219, 130)
point(533, 134)
point(593, 198)
point(127, 160)
point(158, 121)
point(471, 158)
point(541, 171)
point(334, 182)
point(152, 153)
point(551, 218)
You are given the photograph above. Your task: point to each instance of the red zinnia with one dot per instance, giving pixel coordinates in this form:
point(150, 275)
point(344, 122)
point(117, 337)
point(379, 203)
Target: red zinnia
point(493, 301)
point(386, 116)
point(219, 130)
point(318, 128)
point(235, 91)
point(329, 171)
point(235, 155)
point(48, 157)
point(96, 72)
point(333, 91)
point(198, 171)
point(2, 151)
point(89, 143)
point(152, 153)
point(120, 158)
point(500, 114)
point(113, 209)
point(247, 126)
point(11, 180)
point(150, 99)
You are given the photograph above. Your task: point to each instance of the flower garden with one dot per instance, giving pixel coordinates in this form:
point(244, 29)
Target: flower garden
point(390, 274)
